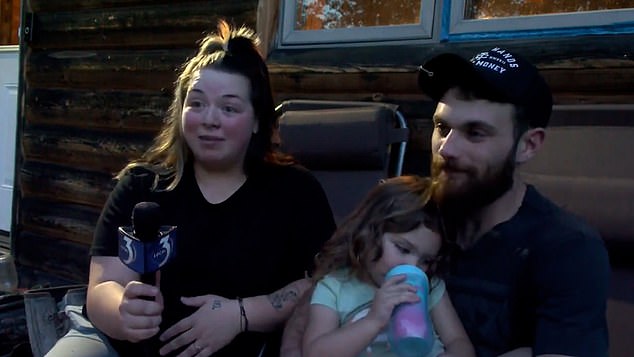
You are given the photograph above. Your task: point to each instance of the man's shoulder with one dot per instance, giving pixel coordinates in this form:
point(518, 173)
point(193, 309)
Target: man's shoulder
point(540, 213)
point(547, 216)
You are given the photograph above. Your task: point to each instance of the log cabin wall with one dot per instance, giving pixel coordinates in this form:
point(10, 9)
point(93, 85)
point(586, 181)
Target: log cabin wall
point(98, 76)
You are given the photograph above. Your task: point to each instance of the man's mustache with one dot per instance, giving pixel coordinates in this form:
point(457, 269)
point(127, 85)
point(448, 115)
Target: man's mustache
point(441, 164)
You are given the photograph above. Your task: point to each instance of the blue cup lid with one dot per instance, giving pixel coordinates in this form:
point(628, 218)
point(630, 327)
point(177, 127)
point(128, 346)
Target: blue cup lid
point(415, 275)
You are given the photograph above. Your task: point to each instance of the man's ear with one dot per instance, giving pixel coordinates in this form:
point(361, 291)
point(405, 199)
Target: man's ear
point(529, 143)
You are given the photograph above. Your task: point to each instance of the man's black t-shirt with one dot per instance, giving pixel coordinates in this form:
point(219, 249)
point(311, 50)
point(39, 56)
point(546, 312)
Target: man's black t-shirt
point(539, 280)
point(257, 241)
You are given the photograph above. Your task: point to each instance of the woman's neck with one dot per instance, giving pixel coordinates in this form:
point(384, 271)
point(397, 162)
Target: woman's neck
point(218, 185)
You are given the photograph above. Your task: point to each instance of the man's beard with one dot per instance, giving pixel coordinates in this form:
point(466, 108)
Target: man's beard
point(460, 199)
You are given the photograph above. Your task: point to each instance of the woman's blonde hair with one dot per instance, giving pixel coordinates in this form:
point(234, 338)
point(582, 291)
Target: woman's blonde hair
point(397, 205)
point(229, 50)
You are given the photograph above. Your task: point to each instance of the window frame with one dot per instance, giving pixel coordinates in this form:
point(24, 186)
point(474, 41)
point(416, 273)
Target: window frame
point(547, 22)
point(291, 38)
point(443, 20)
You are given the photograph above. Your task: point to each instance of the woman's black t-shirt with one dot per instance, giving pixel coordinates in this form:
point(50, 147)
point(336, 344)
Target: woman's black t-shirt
point(257, 241)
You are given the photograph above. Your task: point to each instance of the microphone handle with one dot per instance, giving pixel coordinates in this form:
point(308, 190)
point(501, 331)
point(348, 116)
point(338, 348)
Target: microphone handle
point(149, 346)
point(150, 279)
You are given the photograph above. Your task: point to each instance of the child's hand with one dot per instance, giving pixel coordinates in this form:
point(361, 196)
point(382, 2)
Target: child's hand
point(393, 292)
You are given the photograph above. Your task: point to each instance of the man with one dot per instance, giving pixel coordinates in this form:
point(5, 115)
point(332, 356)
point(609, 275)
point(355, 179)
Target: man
point(526, 278)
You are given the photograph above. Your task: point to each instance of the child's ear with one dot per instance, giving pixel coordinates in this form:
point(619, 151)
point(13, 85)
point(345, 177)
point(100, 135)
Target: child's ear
point(528, 144)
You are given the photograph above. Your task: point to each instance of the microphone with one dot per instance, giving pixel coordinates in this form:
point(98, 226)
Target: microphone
point(145, 221)
point(147, 245)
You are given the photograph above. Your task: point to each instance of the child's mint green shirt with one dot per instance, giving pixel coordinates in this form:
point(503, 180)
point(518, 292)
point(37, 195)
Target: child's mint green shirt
point(351, 299)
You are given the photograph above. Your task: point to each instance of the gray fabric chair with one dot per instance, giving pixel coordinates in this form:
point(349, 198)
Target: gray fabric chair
point(348, 146)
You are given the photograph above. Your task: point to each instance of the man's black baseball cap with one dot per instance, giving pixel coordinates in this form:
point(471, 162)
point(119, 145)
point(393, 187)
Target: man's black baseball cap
point(507, 78)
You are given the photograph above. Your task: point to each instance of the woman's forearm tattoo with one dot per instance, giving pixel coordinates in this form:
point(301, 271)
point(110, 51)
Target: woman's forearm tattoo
point(287, 294)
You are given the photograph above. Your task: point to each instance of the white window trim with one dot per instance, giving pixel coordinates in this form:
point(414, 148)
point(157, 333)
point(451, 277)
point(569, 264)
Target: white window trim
point(458, 25)
point(292, 38)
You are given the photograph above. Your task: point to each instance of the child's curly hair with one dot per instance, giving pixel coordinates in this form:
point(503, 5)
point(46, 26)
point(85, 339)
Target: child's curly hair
point(396, 205)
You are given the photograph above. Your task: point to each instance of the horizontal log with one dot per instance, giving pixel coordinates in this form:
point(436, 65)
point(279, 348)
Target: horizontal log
point(73, 5)
point(54, 256)
point(64, 185)
point(69, 5)
point(152, 70)
point(57, 220)
point(191, 14)
point(416, 105)
point(132, 112)
point(139, 26)
point(344, 82)
point(89, 151)
point(615, 80)
point(594, 98)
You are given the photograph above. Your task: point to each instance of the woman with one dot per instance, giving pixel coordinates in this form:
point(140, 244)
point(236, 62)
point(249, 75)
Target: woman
point(248, 220)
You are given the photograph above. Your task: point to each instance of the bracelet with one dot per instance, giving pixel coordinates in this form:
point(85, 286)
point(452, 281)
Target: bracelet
point(244, 322)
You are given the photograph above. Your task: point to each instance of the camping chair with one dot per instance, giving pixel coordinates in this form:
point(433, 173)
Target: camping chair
point(348, 146)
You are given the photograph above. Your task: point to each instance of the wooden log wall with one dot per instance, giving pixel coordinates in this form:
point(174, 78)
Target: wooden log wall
point(98, 78)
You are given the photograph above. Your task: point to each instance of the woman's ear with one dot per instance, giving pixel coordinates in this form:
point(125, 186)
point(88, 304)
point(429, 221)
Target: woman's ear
point(529, 143)
point(256, 126)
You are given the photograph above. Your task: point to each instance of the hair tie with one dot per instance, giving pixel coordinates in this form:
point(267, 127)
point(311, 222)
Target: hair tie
point(244, 322)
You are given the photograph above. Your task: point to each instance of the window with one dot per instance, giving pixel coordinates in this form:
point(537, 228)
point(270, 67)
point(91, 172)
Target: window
point(473, 16)
point(328, 22)
point(481, 9)
point(9, 21)
point(336, 21)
